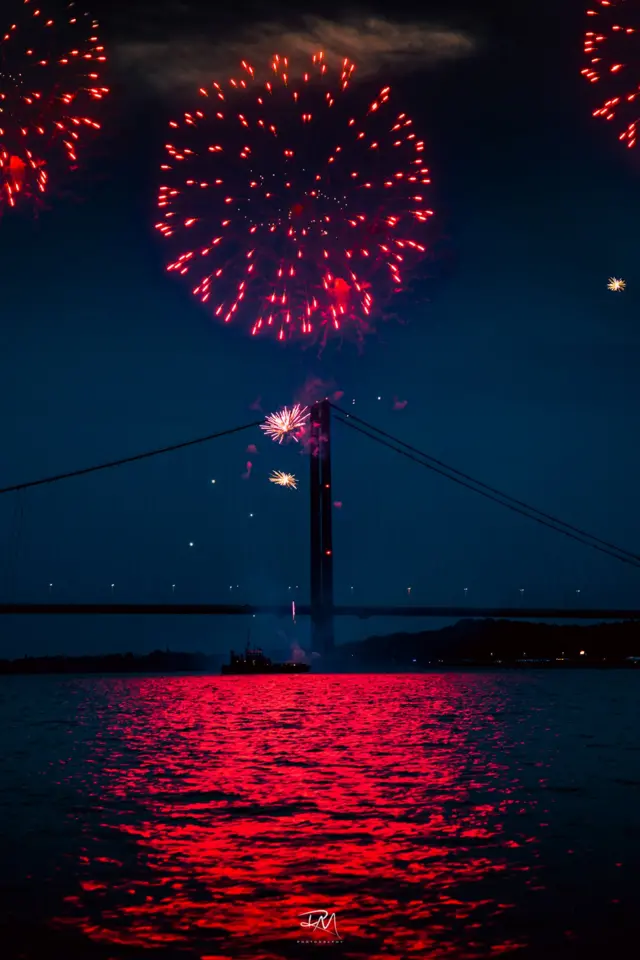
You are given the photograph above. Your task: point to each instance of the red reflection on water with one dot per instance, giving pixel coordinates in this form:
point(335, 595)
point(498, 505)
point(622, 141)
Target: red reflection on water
point(230, 806)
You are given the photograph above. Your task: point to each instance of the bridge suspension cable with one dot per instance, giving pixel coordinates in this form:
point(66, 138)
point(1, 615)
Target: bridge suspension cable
point(398, 446)
point(490, 493)
point(119, 463)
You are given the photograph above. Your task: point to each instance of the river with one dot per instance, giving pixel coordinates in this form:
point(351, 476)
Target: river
point(467, 814)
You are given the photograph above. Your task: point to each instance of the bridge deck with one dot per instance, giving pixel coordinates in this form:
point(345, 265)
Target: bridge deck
point(303, 610)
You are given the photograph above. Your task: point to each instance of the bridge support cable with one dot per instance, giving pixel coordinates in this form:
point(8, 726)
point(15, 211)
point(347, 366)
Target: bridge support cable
point(490, 493)
point(120, 463)
point(485, 486)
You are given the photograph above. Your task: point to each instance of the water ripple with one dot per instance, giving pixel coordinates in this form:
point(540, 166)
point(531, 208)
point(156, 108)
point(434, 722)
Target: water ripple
point(435, 815)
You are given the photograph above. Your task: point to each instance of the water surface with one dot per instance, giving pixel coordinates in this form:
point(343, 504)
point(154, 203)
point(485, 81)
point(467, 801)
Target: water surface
point(466, 815)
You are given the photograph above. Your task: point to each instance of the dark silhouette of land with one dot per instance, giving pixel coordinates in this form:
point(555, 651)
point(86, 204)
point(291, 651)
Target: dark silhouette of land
point(467, 643)
point(499, 643)
point(160, 661)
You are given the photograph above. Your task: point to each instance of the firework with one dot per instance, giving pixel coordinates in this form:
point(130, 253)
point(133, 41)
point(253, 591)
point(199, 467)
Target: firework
point(294, 204)
point(284, 479)
point(49, 83)
point(286, 423)
point(610, 48)
point(616, 284)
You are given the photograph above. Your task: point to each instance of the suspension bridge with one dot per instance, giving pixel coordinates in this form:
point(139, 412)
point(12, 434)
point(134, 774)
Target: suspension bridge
point(322, 610)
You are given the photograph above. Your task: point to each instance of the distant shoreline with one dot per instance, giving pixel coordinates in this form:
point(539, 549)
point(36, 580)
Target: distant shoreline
point(333, 671)
point(469, 644)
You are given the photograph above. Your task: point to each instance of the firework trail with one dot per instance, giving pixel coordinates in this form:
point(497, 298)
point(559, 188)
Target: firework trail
point(50, 70)
point(294, 205)
point(611, 47)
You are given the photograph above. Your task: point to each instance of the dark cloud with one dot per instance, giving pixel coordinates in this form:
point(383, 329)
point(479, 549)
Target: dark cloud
point(373, 43)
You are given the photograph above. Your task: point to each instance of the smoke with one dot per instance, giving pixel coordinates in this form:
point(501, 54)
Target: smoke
point(297, 653)
point(314, 389)
point(373, 43)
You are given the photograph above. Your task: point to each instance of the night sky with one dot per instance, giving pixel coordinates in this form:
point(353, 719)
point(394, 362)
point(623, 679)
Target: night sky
point(518, 365)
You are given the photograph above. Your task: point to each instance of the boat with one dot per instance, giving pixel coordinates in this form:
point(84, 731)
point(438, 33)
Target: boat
point(254, 661)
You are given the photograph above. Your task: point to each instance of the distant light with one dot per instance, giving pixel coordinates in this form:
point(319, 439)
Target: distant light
point(213, 481)
point(582, 653)
point(578, 591)
point(414, 660)
point(190, 544)
point(250, 514)
point(380, 398)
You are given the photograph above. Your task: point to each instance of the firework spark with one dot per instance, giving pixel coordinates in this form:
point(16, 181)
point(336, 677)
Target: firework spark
point(611, 50)
point(284, 479)
point(616, 284)
point(286, 423)
point(293, 203)
point(49, 84)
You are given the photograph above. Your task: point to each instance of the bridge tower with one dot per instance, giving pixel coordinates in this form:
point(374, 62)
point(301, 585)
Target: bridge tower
point(321, 529)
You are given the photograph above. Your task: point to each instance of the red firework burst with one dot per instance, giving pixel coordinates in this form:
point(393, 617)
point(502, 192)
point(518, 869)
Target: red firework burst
point(294, 204)
point(49, 80)
point(611, 48)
